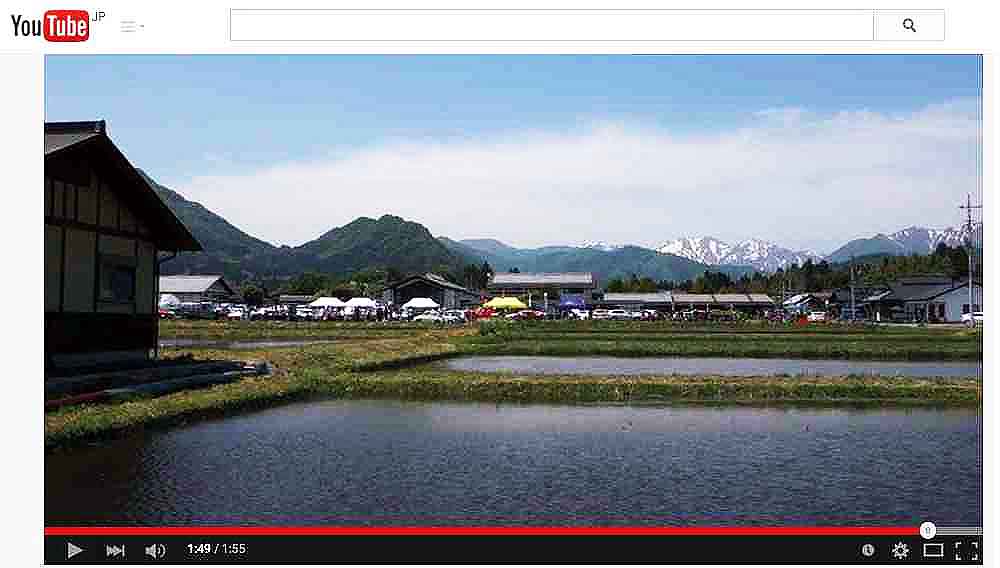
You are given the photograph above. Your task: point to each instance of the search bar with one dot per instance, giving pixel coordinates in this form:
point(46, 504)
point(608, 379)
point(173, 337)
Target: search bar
point(550, 25)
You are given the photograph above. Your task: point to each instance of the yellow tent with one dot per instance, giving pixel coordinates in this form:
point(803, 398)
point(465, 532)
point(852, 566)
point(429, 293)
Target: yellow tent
point(505, 304)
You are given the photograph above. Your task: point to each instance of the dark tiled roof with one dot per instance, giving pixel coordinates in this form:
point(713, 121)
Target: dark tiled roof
point(433, 279)
point(916, 292)
point(88, 141)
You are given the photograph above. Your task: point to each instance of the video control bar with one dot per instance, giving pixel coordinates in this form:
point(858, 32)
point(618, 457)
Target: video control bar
point(616, 548)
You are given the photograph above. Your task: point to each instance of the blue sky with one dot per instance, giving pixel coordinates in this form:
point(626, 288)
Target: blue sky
point(210, 126)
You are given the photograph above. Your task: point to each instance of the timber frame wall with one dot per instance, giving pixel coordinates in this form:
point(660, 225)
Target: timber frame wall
point(87, 228)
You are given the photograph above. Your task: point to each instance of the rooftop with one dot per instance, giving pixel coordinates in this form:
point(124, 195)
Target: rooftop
point(88, 143)
point(581, 279)
point(189, 283)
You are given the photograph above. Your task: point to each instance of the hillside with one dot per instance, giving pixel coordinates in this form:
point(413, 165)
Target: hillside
point(388, 241)
point(227, 249)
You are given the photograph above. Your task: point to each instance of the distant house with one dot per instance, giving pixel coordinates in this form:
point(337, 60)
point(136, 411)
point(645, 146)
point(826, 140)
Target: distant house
point(537, 283)
point(932, 299)
point(446, 293)
point(197, 288)
point(807, 302)
point(104, 228)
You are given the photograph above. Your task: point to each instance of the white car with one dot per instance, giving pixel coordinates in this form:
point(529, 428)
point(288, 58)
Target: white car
point(454, 316)
point(235, 313)
point(579, 314)
point(975, 318)
point(430, 317)
point(601, 314)
point(816, 316)
point(619, 315)
point(305, 312)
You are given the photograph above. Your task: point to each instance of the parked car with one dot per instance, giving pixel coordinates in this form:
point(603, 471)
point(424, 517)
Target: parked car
point(526, 315)
point(973, 319)
point(166, 313)
point(600, 314)
point(619, 315)
point(432, 317)
point(454, 316)
point(579, 314)
point(236, 313)
point(304, 313)
point(694, 315)
point(816, 317)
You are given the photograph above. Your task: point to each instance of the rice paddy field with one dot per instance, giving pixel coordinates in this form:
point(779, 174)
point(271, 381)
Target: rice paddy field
point(403, 361)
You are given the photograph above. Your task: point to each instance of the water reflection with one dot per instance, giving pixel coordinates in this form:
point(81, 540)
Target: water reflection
point(376, 463)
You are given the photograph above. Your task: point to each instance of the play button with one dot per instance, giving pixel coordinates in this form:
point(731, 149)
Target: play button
point(72, 550)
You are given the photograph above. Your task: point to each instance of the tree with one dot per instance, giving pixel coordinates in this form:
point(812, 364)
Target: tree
point(252, 295)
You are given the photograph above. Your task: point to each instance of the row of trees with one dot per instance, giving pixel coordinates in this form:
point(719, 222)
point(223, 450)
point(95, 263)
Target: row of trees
point(868, 271)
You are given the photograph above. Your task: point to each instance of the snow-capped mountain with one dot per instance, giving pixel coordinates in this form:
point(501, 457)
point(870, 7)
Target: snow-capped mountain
point(600, 245)
point(918, 240)
point(706, 250)
point(922, 240)
point(762, 255)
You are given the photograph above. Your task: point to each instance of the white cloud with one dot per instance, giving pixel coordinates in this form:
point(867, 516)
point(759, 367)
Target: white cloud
point(789, 175)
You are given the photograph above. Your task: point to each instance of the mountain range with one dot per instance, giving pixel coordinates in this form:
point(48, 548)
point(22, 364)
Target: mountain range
point(409, 247)
point(761, 255)
point(911, 240)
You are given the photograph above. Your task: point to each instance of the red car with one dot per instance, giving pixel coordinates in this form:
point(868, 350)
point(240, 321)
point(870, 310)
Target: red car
point(527, 315)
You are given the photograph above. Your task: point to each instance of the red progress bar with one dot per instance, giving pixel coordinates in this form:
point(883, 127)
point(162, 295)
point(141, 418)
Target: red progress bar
point(482, 531)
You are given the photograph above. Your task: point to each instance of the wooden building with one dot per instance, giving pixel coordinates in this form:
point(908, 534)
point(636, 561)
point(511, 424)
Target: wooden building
point(104, 228)
point(447, 294)
point(198, 288)
point(537, 283)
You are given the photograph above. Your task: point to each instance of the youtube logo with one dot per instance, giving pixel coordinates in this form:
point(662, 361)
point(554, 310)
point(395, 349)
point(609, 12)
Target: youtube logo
point(55, 25)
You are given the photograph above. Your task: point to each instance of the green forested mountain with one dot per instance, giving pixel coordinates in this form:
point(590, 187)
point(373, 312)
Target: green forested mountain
point(364, 244)
point(386, 242)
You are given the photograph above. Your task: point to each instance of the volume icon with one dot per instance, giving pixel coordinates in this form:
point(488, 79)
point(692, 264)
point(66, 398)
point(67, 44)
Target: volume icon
point(156, 551)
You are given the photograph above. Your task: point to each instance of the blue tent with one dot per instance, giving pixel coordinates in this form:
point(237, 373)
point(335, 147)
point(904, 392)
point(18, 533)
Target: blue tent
point(572, 303)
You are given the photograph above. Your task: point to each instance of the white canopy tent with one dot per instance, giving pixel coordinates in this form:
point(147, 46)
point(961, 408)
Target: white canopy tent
point(360, 303)
point(421, 304)
point(327, 302)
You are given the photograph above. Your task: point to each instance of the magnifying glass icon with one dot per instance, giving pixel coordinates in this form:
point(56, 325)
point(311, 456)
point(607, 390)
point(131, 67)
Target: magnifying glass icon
point(908, 25)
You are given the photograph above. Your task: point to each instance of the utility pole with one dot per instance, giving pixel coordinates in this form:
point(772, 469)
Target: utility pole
point(970, 249)
point(852, 289)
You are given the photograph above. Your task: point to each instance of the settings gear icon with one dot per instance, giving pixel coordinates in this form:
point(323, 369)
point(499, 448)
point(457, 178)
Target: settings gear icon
point(900, 550)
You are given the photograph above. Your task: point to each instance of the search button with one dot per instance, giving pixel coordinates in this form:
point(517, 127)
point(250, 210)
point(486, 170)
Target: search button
point(909, 25)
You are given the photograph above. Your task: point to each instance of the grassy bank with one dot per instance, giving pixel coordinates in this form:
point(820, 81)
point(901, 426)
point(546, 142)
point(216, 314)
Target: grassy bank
point(251, 330)
point(640, 339)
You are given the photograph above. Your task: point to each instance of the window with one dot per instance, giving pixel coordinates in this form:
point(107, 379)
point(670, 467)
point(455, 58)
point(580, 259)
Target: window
point(117, 279)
